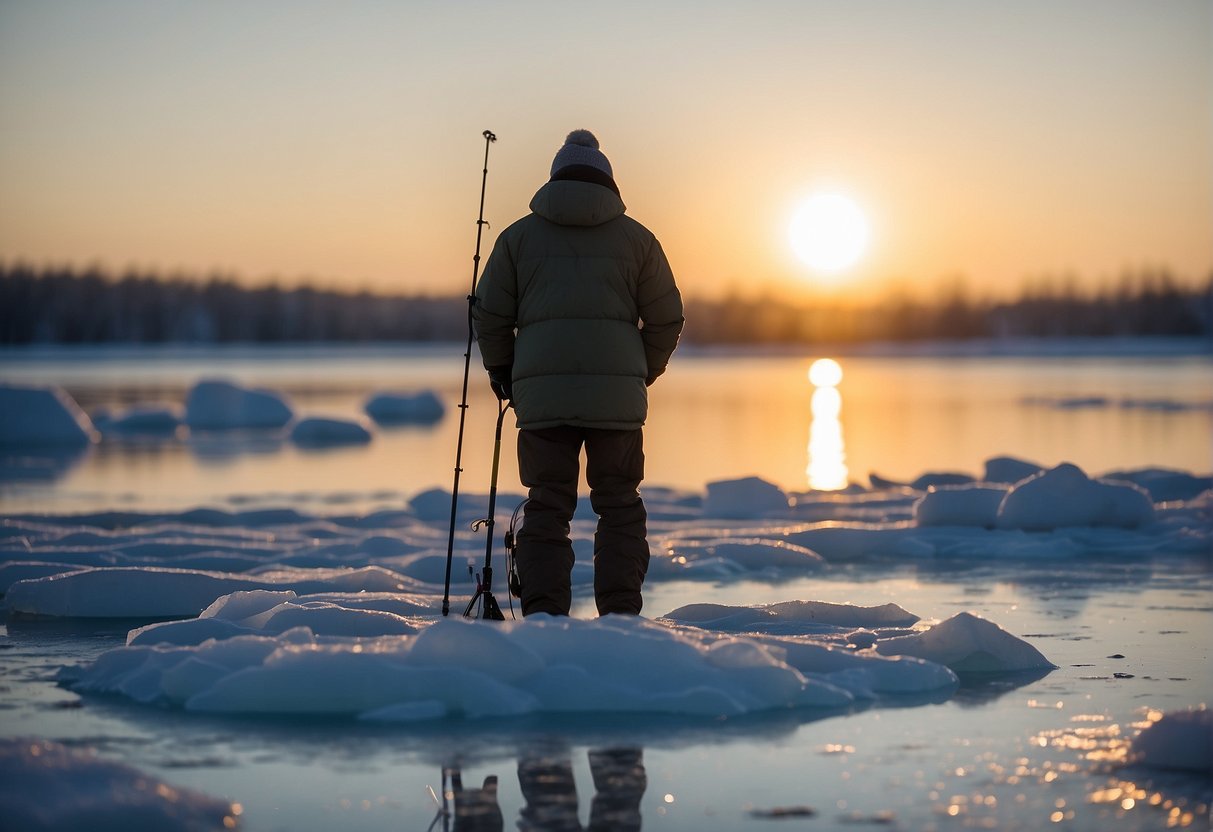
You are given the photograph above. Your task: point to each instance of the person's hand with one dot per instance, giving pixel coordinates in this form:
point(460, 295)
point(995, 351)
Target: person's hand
point(500, 382)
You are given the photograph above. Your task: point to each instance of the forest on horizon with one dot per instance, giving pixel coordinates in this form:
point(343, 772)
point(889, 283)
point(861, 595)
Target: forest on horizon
point(90, 306)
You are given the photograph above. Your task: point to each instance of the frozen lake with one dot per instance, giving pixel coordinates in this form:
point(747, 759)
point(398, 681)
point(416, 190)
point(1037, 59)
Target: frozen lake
point(1127, 627)
point(1014, 753)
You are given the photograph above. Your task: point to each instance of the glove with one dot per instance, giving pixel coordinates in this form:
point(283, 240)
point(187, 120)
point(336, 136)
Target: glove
point(499, 380)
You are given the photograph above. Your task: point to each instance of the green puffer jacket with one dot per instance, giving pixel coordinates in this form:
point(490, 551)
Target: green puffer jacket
point(580, 301)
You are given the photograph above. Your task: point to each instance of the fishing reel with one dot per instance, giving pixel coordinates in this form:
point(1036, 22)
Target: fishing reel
point(511, 544)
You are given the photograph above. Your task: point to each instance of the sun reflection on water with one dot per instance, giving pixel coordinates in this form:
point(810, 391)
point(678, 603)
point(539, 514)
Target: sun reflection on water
point(827, 469)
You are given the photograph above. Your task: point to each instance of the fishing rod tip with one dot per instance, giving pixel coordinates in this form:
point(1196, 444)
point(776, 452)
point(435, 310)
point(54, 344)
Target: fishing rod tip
point(490, 135)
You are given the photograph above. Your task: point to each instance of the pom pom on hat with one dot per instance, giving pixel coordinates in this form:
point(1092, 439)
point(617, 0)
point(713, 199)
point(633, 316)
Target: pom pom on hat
point(582, 137)
point(581, 148)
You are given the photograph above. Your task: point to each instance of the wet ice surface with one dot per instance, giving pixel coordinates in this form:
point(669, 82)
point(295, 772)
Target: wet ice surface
point(997, 754)
point(1130, 637)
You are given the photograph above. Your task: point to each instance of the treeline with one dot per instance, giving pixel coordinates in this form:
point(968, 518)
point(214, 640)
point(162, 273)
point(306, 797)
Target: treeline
point(56, 306)
point(1147, 303)
point(63, 306)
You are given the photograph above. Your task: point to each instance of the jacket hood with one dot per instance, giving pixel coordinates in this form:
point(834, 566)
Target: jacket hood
point(569, 202)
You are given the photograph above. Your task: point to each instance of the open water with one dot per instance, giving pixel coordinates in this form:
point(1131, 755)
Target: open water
point(713, 416)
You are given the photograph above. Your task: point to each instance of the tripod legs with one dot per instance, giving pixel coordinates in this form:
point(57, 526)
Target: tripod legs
point(490, 610)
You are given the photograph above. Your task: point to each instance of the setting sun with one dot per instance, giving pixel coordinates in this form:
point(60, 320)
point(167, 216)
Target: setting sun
point(829, 232)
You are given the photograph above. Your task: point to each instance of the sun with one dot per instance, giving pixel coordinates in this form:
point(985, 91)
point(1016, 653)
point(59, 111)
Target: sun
point(829, 232)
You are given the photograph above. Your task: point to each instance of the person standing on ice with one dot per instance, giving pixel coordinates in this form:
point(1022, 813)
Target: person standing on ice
point(576, 314)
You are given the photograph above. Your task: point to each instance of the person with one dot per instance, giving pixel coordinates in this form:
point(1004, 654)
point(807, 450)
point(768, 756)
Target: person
point(576, 314)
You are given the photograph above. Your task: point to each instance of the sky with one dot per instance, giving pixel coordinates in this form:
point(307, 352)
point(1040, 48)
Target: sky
point(340, 143)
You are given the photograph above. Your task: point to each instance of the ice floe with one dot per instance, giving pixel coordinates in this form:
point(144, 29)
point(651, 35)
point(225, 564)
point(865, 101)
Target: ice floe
point(1099, 402)
point(160, 592)
point(960, 505)
point(47, 786)
point(218, 405)
point(745, 498)
point(732, 557)
point(40, 417)
point(933, 479)
point(321, 432)
point(1164, 485)
point(1055, 498)
point(270, 612)
point(1009, 470)
point(1065, 496)
point(791, 616)
point(968, 643)
point(153, 420)
point(387, 408)
point(965, 643)
point(461, 668)
point(1181, 740)
point(384, 656)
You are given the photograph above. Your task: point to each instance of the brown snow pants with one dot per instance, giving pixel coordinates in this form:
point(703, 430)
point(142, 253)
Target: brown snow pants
point(549, 466)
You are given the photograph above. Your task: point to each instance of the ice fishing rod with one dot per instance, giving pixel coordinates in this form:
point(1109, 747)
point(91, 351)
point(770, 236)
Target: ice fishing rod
point(489, 138)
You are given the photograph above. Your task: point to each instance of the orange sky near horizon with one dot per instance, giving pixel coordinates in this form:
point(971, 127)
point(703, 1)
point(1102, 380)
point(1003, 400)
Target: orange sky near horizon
point(341, 142)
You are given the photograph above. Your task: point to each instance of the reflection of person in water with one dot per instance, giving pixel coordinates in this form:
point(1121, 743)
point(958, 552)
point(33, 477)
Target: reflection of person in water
point(550, 792)
point(476, 810)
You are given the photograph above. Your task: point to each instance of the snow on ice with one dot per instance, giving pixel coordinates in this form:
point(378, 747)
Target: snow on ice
point(281, 611)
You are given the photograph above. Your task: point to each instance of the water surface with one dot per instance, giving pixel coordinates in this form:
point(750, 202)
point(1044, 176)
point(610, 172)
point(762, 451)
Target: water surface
point(712, 416)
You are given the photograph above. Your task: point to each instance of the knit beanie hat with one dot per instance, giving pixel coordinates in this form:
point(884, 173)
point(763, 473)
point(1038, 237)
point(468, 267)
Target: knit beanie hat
point(581, 148)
